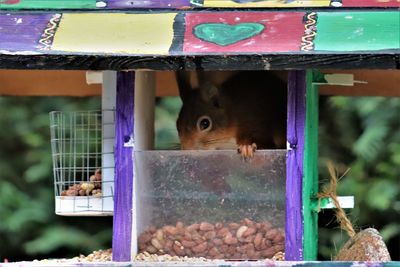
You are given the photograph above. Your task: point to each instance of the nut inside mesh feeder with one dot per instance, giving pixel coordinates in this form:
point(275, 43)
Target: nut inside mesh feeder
point(83, 161)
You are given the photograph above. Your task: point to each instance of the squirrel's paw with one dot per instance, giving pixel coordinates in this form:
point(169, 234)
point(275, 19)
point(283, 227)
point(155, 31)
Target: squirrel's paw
point(247, 151)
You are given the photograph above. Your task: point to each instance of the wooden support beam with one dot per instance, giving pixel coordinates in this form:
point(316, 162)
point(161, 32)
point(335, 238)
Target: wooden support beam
point(310, 178)
point(46, 83)
point(73, 83)
point(378, 83)
point(124, 167)
point(294, 227)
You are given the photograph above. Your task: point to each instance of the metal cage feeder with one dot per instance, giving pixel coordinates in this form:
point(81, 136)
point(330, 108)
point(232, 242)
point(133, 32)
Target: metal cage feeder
point(83, 162)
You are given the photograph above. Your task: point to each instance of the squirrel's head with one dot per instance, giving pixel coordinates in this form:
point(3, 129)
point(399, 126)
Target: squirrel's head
point(203, 122)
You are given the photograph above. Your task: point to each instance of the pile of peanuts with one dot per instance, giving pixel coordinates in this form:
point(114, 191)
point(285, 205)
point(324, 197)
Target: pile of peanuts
point(96, 256)
point(145, 256)
point(244, 240)
point(92, 188)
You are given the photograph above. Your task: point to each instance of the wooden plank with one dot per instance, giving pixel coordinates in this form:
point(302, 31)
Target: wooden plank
point(93, 4)
point(124, 168)
point(67, 83)
point(126, 4)
point(294, 227)
point(297, 3)
point(202, 34)
point(144, 140)
point(244, 32)
point(357, 31)
point(383, 60)
point(185, 4)
point(370, 3)
point(265, 3)
point(310, 178)
point(375, 83)
point(47, 4)
point(100, 33)
point(73, 83)
point(46, 83)
point(108, 105)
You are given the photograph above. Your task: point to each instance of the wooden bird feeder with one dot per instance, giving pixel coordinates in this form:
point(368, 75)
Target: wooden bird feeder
point(131, 48)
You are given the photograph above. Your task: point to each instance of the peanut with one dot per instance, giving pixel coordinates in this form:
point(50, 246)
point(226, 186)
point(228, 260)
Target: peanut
point(170, 230)
point(240, 231)
point(188, 244)
point(271, 234)
point(222, 232)
point(209, 235)
point(156, 243)
point(193, 227)
point(249, 231)
point(200, 248)
point(230, 240)
point(159, 235)
point(179, 249)
point(205, 226)
point(257, 241)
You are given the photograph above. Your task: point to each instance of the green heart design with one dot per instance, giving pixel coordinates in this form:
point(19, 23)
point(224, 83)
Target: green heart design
point(225, 34)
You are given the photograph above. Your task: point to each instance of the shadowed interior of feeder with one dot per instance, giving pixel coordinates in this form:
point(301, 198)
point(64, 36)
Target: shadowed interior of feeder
point(201, 192)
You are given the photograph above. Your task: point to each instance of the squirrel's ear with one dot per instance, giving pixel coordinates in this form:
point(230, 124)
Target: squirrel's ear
point(210, 94)
point(183, 81)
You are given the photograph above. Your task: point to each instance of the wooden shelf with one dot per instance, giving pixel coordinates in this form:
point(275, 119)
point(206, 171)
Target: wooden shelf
point(73, 83)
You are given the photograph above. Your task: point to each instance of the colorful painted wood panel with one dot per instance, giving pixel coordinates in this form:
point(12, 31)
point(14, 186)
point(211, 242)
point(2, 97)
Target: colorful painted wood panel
point(255, 32)
point(205, 33)
point(93, 4)
point(268, 3)
point(126, 4)
point(47, 4)
point(357, 31)
point(26, 32)
point(371, 3)
point(297, 3)
point(141, 34)
point(184, 4)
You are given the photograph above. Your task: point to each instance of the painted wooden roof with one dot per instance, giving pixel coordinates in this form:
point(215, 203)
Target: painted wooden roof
point(185, 4)
point(190, 40)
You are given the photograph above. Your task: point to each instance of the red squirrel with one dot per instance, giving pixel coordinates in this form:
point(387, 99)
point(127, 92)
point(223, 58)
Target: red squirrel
point(244, 112)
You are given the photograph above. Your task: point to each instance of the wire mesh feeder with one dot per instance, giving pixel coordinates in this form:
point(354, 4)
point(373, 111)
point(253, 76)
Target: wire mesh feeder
point(83, 162)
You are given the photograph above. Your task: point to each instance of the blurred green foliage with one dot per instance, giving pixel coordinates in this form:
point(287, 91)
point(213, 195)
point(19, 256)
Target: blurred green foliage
point(29, 228)
point(166, 135)
point(360, 133)
point(363, 134)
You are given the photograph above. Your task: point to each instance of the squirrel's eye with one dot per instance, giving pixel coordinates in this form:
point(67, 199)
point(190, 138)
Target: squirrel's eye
point(204, 123)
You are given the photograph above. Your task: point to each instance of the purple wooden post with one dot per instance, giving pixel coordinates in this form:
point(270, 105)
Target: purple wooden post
point(294, 166)
point(124, 168)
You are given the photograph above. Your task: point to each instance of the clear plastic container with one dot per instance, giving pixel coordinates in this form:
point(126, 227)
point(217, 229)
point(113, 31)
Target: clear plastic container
point(210, 204)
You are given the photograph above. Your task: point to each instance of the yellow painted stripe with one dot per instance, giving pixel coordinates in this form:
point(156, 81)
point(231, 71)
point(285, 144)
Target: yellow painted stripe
point(267, 3)
point(115, 33)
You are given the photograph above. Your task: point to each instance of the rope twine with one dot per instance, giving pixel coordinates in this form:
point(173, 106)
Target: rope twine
point(330, 192)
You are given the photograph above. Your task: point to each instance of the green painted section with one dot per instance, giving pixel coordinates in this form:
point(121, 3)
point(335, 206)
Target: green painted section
point(310, 181)
point(357, 31)
point(47, 4)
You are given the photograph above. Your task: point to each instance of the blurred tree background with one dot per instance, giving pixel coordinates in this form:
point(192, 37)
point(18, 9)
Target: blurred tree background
point(363, 134)
point(358, 133)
